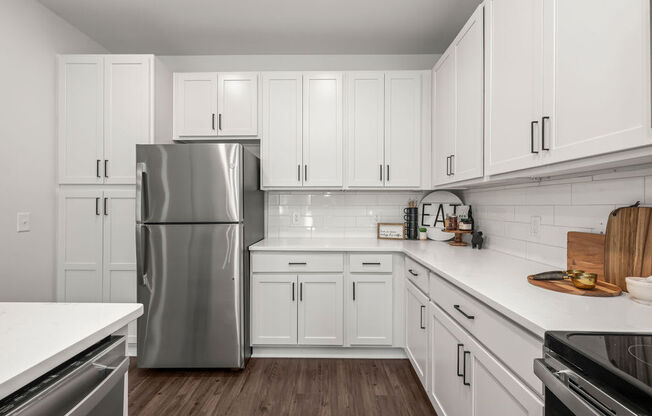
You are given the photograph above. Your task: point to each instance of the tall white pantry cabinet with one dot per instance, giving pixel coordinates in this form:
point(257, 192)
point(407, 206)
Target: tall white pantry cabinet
point(105, 108)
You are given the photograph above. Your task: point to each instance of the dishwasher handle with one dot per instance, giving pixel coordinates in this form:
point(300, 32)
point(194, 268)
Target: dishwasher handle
point(90, 402)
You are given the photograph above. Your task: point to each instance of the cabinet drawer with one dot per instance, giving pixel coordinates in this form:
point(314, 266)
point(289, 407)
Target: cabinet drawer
point(373, 263)
point(297, 262)
point(417, 274)
point(511, 344)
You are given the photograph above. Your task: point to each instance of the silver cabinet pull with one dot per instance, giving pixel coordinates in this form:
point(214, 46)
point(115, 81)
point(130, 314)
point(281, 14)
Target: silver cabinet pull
point(213, 121)
point(452, 170)
point(97, 168)
point(106, 211)
point(543, 133)
point(97, 206)
point(141, 191)
point(106, 168)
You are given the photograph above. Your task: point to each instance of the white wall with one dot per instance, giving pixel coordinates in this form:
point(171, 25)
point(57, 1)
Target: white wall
point(30, 38)
point(579, 204)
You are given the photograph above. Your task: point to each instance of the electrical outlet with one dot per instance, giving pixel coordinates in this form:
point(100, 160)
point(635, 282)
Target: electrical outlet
point(22, 222)
point(295, 218)
point(535, 225)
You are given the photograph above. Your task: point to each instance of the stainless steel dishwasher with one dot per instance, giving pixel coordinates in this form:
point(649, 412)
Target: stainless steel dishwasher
point(91, 383)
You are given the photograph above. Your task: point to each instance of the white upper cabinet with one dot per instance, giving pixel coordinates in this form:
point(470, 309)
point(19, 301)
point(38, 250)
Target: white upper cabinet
point(597, 77)
point(237, 104)
point(366, 129)
point(444, 118)
point(459, 93)
point(105, 109)
point(514, 77)
point(195, 104)
point(81, 117)
point(467, 160)
point(403, 95)
point(281, 141)
point(322, 129)
point(128, 113)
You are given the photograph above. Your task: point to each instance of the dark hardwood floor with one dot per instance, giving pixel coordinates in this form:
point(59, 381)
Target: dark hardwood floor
point(281, 386)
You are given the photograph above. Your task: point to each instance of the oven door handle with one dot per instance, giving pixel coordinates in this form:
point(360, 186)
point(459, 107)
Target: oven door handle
point(88, 403)
point(579, 400)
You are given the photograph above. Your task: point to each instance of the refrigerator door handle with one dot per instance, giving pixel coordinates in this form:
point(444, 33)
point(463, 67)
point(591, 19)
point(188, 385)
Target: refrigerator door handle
point(141, 191)
point(142, 235)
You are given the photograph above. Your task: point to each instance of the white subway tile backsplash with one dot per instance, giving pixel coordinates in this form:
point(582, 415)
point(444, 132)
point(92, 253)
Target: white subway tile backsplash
point(295, 199)
point(505, 245)
point(616, 191)
point(525, 213)
point(555, 256)
point(588, 216)
point(548, 195)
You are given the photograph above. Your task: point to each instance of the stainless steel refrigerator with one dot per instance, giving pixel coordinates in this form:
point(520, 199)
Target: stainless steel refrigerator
point(198, 209)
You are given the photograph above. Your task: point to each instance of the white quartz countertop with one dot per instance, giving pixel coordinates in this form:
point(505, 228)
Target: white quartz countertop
point(500, 281)
point(37, 337)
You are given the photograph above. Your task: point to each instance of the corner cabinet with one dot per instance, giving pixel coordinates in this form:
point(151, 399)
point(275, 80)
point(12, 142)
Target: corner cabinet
point(558, 89)
point(105, 108)
point(211, 104)
point(458, 131)
point(467, 380)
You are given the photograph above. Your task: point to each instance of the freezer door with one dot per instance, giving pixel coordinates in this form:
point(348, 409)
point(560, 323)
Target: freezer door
point(183, 183)
point(190, 284)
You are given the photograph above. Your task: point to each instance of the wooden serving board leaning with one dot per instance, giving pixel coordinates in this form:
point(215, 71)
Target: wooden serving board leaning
point(602, 289)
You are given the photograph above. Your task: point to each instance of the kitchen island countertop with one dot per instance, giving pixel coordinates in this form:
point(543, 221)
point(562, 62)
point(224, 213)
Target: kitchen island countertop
point(37, 337)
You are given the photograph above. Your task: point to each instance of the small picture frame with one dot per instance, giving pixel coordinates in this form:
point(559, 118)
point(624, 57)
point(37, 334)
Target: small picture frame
point(391, 231)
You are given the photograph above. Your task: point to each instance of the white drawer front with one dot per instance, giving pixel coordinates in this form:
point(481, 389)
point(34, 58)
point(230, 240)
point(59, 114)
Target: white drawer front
point(298, 262)
point(510, 343)
point(371, 263)
point(417, 274)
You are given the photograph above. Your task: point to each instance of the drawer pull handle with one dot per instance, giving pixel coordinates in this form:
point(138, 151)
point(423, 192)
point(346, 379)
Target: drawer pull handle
point(297, 263)
point(421, 325)
point(458, 360)
point(371, 264)
point(466, 315)
point(464, 369)
point(412, 272)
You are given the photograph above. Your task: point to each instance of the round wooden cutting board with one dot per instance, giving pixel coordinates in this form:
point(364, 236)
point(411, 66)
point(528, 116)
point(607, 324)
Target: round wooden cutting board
point(601, 290)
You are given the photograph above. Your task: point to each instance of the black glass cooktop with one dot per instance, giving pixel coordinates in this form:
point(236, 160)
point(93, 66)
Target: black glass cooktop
point(622, 360)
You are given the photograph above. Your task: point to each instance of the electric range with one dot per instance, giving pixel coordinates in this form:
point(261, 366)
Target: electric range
point(596, 374)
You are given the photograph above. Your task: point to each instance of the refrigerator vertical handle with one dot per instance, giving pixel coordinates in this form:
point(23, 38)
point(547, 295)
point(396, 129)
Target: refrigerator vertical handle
point(141, 191)
point(142, 235)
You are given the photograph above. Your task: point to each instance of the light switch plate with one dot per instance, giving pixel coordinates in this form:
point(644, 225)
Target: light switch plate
point(22, 222)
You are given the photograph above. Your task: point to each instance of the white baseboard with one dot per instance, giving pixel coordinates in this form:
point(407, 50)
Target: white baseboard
point(329, 352)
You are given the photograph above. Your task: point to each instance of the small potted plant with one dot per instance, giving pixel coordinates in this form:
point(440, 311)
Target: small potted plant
point(423, 233)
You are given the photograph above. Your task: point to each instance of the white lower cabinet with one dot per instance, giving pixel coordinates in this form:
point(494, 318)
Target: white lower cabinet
point(274, 309)
point(290, 309)
point(320, 310)
point(371, 309)
point(416, 330)
point(468, 380)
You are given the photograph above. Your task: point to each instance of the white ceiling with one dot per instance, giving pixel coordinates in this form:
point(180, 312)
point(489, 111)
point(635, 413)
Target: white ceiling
point(203, 27)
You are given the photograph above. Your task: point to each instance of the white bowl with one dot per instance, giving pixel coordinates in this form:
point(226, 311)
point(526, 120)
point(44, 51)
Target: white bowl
point(640, 288)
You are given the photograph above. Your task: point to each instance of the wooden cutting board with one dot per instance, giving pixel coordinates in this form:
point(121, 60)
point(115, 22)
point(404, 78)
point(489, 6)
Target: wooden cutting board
point(628, 245)
point(586, 252)
point(601, 289)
